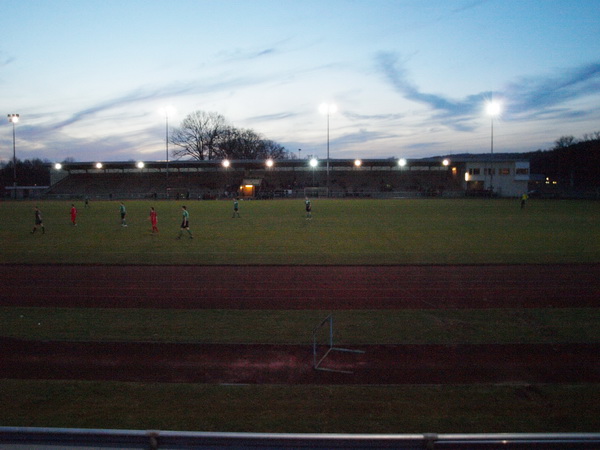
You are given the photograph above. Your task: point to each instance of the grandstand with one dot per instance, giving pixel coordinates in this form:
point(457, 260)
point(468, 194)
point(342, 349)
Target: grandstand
point(377, 178)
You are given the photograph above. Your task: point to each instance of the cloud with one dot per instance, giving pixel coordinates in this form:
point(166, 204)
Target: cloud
point(527, 97)
point(542, 96)
point(453, 113)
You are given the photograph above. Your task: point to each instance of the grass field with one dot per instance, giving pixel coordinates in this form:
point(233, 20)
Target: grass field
point(375, 232)
point(404, 231)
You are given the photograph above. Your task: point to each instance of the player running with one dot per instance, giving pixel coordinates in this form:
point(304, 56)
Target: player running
point(38, 221)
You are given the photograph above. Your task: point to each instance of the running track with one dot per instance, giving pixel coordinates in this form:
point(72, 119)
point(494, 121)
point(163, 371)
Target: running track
point(302, 287)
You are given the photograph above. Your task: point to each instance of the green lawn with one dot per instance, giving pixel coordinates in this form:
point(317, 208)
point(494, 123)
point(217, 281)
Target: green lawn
point(403, 231)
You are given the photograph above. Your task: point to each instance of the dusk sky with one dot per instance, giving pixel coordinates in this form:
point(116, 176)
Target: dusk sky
point(410, 78)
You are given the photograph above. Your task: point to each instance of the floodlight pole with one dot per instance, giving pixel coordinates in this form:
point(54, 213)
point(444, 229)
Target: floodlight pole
point(167, 143)
point(492, 156)
point(14, 118)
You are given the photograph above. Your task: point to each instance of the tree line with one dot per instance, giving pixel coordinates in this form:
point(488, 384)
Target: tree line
point(208, 135)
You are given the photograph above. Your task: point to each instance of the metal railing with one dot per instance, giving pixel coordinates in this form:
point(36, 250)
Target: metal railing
point(44, 438)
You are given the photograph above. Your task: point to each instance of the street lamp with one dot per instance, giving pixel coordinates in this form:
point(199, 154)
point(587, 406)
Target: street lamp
point(493, 109)
point(14, 118)
point(327, 108)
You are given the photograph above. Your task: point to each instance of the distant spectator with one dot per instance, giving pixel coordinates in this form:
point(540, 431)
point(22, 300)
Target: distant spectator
point(524, 198)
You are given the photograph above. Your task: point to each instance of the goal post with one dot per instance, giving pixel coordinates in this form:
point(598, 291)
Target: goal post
point(323, 345)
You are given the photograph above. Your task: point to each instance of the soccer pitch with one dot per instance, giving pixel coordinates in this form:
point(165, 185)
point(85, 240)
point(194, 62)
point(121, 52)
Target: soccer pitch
point(400, 231)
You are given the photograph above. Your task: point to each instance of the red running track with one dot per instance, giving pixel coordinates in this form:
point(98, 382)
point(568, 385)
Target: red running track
point(302, 287)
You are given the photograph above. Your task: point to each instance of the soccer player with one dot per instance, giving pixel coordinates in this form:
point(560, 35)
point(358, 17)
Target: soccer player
point(308, 207)
point(524, 198)
point(38, 221)
point(236, 208)
point(73, 214)
point(185, 223)
point(123, 213)
point(153, 219)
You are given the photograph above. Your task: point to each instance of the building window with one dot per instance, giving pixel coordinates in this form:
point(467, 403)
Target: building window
point(522, 171)
point(489, 171)
point(474, 171)
point(504, 171)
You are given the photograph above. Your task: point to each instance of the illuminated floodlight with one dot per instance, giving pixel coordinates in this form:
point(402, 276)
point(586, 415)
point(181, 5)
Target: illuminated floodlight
point(58, 166)
point(13, 118)
point(402, 162)
point(328, 108)
point(357, 163)
point(140, 165)
point(493, 108)
point(446, 162)
point(98, 165)
point(313, 162)
point(226, 163)
point(270, 163)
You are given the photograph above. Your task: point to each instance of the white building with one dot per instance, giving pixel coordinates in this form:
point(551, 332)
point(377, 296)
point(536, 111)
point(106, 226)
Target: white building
point(505, 178)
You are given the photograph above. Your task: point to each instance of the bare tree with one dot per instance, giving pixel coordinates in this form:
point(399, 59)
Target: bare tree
point(564, 142)
point(199, 135)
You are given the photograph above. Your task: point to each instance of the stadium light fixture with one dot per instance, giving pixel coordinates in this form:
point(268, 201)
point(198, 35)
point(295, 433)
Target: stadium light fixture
point(140, 165)
point(98, 165)
point(313, 163)
point(269, 163)
point(14, 118)
point(58, 166)
point(328, 109)
point(446, 162)
point(402, 162)
point(226, 163)
point(357, 163)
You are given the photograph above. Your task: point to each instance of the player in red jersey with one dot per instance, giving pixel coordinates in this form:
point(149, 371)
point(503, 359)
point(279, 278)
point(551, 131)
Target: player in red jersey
point(153, 219)
point(73, 215)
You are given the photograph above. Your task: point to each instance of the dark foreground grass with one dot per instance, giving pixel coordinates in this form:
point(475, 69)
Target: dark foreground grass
point(402, 231)
point(489, 326)
point(301, 409)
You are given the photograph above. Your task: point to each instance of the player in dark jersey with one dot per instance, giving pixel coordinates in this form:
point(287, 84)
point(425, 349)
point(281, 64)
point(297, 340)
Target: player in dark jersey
point(185, 223)
point(38, 221)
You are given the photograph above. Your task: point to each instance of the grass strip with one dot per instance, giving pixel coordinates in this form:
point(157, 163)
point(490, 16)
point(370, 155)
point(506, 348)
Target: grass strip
point(302, 409)
point(470, 326)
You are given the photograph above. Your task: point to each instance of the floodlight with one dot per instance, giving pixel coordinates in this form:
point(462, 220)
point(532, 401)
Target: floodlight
point(402, 162)
point(446, 162)
point(140, 165)
point(99, 165)
point(357, 163)
point(270, 163)
point(58, 166)
point(226, 163)
point(314, 162)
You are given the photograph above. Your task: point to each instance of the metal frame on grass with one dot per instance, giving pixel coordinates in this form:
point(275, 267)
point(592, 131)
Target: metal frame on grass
point(331, 347)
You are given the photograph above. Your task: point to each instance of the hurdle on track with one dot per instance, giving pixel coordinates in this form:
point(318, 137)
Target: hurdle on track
point(328, 321)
